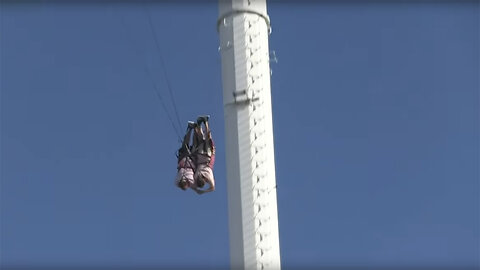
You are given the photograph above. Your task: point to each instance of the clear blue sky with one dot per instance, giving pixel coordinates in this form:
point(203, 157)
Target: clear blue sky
point(376, 121)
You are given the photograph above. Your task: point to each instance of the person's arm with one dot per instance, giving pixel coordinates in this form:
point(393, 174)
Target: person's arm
point(197, 190)
point(211, 187)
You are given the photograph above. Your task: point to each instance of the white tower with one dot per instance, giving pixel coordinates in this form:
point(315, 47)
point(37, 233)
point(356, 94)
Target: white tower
point(244, 26)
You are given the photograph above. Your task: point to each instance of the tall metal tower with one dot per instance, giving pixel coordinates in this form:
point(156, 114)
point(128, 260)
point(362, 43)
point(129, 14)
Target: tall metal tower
point(244, 26)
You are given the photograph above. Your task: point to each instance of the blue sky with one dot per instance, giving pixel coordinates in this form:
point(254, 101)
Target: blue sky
point(376, 123)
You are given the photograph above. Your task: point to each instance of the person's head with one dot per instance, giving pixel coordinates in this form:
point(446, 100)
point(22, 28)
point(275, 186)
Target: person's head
point(200, 182)
point(183, 184)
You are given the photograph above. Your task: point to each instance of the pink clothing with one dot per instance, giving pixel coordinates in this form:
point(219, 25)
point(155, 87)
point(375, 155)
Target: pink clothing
point(205, 171)
point(186, 170)
point(185, 173)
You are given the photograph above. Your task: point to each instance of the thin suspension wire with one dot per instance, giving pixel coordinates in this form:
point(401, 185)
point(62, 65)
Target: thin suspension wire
point(154, 84)
point(157, 43)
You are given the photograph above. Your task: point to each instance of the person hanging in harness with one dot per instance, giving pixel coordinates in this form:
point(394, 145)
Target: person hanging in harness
point(203, 153)
point(185, 163)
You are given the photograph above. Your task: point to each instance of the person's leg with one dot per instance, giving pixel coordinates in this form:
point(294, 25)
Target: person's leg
point(203, 119)
point(207, 130)
point(188, 135)
point(186, 138)
point(198, 137)
point(208, 133)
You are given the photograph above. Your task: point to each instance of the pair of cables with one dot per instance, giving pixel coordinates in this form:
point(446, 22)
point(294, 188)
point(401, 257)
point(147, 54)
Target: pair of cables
point(176, 126)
